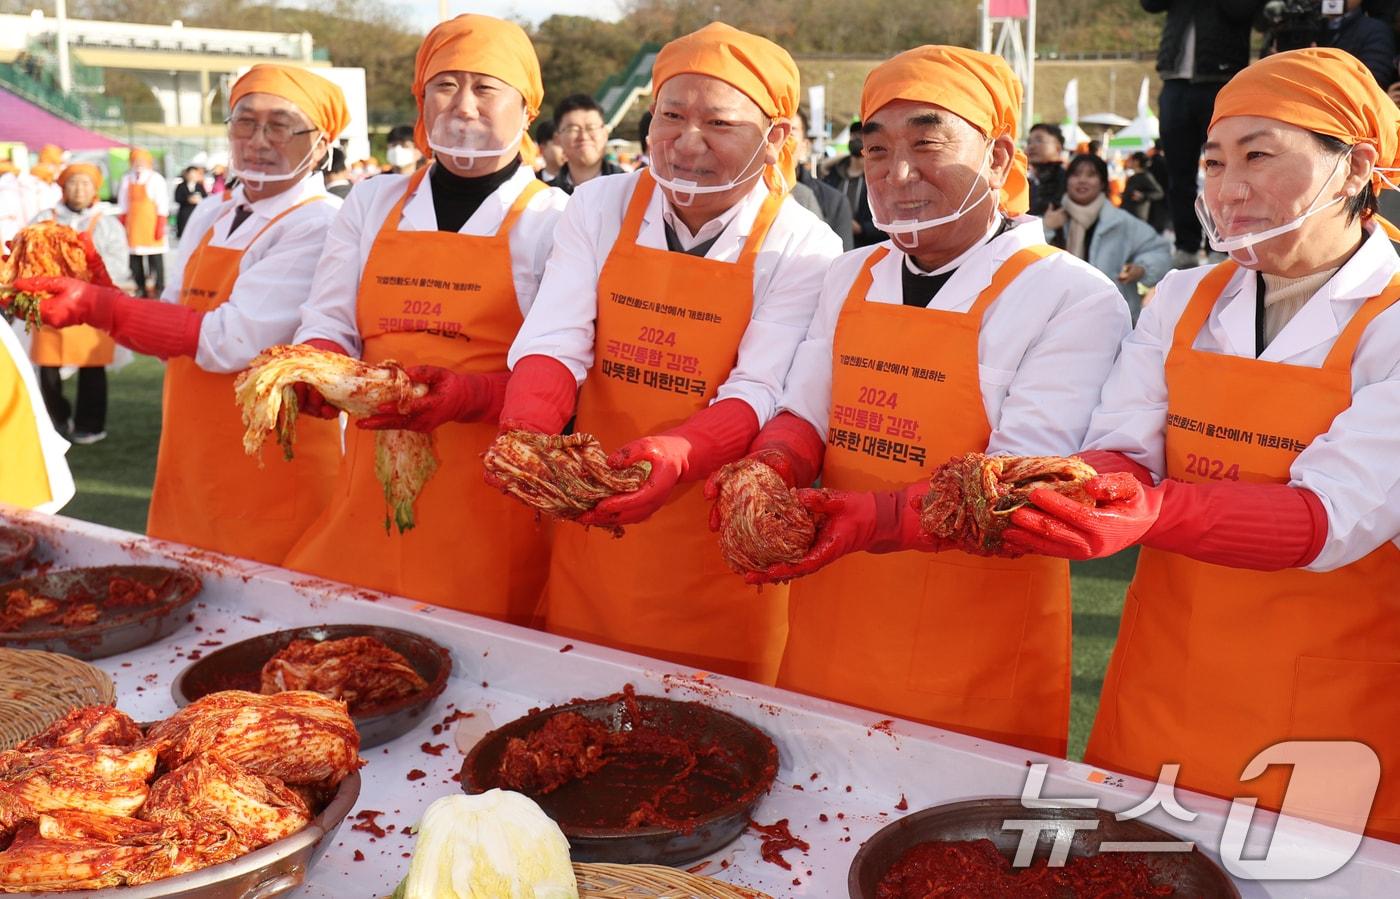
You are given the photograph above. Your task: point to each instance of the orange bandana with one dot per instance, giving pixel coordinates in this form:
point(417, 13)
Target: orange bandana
point(481, 44)
point(320, 100)
point(977, 87)
point(759, 68)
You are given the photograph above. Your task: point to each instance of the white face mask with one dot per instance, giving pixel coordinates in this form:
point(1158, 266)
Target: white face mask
point(401, 155)
point(257, 179)
point(684, 191)
point(902, 231)
point(1241, 246)
point(466, 142)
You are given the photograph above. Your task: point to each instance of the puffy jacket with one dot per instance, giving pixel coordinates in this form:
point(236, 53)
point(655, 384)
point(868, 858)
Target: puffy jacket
point(1119, 238)
point(1222, 35)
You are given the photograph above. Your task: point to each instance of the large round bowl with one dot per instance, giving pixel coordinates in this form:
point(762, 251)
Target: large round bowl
point(116, 630)
point(1191, 873)
point(274, 870)
point(751, 758)
point(239, 667)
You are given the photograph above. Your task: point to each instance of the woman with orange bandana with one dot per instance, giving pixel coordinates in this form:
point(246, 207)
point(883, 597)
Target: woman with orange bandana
point(89, 350)
point(436, 270)
point(964, 333)
point(143, 202)
point(245, 267)
point(677, 296)
point(1257, 404)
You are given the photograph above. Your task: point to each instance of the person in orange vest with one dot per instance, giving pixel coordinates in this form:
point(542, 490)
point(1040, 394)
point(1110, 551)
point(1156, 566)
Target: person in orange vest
point(244, 270)
point(965, 332)
point(143, 202)
point(677, 295)
point(33, 473)
point(1257, 404)
point(436, 268)
point(81, 346)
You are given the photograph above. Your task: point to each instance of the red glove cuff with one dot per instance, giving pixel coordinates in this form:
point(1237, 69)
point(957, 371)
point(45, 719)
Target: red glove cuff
point(897, 525)
point(329, 346)
point(718, 434)
point(490, 398)
point(540, 395)
point(155, 328)
point(800, 445)
point(1265, 527)
point(1109, 462)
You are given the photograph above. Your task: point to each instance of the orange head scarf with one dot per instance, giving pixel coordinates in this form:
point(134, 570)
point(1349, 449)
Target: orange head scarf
point(44, 171)
point(759, 68)
point(481, 44)
point(7, 167)
point(51, 155)
point(1323, 90)
point(139, 156)
point(81, 168)
point(320, 100)
point(977, 87)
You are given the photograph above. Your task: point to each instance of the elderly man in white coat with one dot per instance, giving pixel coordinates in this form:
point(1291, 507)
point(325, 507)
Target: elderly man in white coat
point(965, 333)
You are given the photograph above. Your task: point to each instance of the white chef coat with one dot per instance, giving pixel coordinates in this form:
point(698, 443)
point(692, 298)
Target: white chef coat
point(274, 276)
point(156, 191)
point(1045, 348)
point(1353, 466)
point(330, 313)
point(787, 278)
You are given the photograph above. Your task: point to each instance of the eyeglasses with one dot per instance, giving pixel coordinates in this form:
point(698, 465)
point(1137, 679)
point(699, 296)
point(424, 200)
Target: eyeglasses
point(277, 133)
point(574, 131)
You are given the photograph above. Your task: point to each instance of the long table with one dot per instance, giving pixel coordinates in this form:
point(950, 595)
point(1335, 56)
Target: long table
point(844, 773)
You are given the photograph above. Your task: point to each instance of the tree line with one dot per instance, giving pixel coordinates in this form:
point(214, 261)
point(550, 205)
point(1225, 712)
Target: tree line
point(577, 53)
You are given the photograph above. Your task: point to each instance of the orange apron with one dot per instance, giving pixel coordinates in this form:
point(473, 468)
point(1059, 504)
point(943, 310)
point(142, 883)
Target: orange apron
point(448, 299)
point(1215, 664)
point(141, 217)
point(24, 475)
point(980, 646)
point(208, 492)
point(668, 332)
point(80, 345)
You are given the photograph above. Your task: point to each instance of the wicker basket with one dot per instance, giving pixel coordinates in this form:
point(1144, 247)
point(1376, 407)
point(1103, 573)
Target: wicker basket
point(652, 882)
point(38, 688)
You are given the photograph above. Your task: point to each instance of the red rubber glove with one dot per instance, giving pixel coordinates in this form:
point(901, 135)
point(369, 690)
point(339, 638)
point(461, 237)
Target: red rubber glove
point(856, 521)
point(1263, 527)
point(708, 439)
point(788, 445)
point(309, 399)
point(1056, 525)
point(72, 302)
point(540, 396)
point(1109, 462)
point(151, 327)
point(451, 396)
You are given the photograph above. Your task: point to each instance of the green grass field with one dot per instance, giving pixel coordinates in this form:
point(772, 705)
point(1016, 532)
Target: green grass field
point(114, 487)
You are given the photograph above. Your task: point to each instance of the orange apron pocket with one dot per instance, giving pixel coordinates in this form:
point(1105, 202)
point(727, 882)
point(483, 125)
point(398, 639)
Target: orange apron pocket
point(1347, 699)
point(970, 630)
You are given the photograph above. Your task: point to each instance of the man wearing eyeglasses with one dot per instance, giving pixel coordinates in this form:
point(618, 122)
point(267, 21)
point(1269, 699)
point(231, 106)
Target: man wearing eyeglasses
point(245, 266)
point(583, 135)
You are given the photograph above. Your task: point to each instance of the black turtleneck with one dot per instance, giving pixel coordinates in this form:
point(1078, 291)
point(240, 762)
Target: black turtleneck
point(919, 290)
point(455, 198)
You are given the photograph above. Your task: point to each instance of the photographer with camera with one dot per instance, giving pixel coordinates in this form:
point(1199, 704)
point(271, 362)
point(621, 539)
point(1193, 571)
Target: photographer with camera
point(1343, 24)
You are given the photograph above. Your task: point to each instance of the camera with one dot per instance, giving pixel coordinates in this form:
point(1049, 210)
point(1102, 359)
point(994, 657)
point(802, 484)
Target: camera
point(1291, 24)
